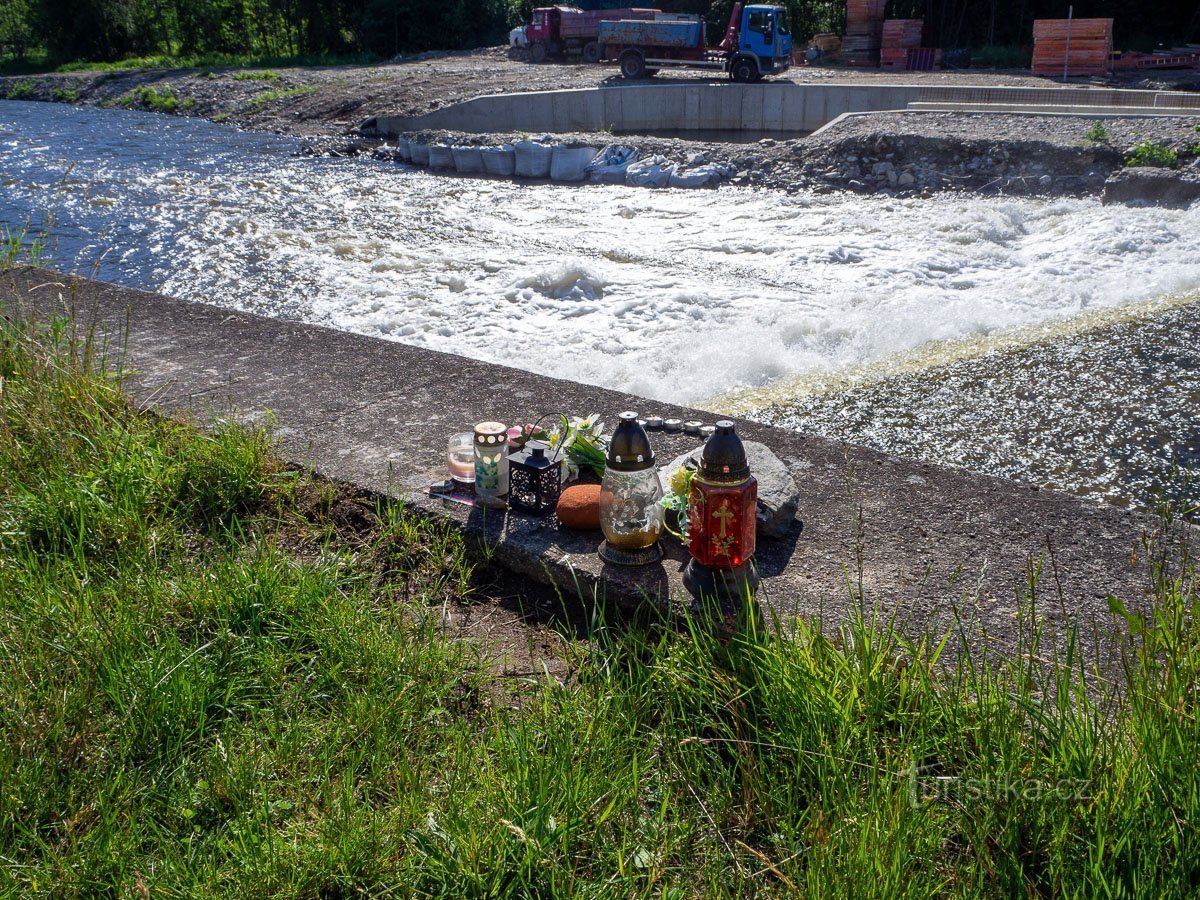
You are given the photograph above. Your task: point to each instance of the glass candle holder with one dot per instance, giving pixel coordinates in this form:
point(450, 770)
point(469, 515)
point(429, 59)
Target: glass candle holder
point(460, 458)
point(491, 461)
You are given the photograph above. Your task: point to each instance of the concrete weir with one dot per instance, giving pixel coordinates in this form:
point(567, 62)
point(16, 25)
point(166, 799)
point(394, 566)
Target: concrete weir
point(777, 106)
point(919, 540)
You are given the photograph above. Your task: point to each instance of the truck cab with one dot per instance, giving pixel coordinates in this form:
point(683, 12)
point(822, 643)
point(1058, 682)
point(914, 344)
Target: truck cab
point(760, 45)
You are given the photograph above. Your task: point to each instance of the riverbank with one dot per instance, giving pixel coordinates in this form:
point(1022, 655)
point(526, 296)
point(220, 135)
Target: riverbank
point(895, 153)
point(229, 676)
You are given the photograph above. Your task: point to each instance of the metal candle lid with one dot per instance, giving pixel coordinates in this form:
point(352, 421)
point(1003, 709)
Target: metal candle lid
point(723, 458)
point(491, 434)
point(629, 448)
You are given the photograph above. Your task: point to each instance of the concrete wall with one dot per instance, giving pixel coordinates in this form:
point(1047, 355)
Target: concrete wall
point(772, 106)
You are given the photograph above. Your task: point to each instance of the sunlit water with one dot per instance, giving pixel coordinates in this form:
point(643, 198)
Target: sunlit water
point(674, 295)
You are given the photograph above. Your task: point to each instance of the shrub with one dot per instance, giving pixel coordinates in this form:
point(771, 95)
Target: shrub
point(1153, 155)
point(1097, 132)
point(22, 90)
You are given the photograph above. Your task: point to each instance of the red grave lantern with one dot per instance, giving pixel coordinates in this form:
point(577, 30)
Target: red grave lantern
point(722, 519)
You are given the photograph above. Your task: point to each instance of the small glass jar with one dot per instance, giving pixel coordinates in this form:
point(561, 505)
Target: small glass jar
point(460, 458)
point(491, 461)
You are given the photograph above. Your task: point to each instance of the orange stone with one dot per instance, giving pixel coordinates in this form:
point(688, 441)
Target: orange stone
point(579, 507)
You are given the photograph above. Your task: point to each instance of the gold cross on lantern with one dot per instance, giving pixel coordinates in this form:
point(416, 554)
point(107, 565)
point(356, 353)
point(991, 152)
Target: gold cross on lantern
point(724, 514)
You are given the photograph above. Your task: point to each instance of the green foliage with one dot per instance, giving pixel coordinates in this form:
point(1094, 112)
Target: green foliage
point(151, 98)
point(17, 248)
point(1097, 133)
point(264, 75)
point(21, 90)
point(66, 95)
point(258, 101)
point(1154, 155)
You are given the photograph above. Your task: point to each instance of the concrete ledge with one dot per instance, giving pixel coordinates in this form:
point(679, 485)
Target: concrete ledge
point(777, 106)
point(920, 540)
point(1091, 112)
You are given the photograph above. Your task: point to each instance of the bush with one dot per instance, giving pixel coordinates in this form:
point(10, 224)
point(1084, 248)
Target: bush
point(1097, 133)
point(1150, 154)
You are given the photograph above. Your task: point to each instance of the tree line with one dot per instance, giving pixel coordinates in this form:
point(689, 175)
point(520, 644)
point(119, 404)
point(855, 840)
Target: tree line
point(104, 30)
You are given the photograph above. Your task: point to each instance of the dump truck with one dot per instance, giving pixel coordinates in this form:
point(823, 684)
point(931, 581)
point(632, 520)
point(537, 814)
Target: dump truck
point(757, 43)
point(556, 31)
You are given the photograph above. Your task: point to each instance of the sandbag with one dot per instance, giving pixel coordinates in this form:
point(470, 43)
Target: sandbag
point(710, 174)
point(609, 165)
point(467, 160)
point(571, 163)
point(403, 152)
point(499, 161)
point(653, 171)
point(418, 152)
point(533, 160)
point(440, 156)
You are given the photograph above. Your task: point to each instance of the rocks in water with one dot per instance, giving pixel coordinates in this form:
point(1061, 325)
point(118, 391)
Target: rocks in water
point(579, 507)
point(1151, 187)
point(778, 496)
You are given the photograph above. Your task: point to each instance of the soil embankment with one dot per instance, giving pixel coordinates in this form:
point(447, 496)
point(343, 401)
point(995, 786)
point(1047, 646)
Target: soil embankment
point(892, 153)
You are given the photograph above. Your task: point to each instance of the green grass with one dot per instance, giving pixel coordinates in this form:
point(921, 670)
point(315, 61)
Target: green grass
point(260, 101)
point(265, 75)
point(1153, 155)
point(212, 690)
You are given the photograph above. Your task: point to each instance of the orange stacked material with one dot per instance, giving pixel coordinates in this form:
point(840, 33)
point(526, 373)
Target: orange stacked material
point(1088, 50)
point(864, 32)
point(900, 36)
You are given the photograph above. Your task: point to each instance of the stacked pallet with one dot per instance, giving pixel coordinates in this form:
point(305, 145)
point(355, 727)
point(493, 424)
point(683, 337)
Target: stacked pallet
point(1087, 52)
point(900, 36)
point(864, 32)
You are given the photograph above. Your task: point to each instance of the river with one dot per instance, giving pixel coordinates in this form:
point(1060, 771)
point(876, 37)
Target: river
point(827, 313)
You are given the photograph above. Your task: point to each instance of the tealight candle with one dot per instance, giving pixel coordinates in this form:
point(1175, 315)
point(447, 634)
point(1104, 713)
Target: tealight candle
point(654, 422)
point(460, 457)
point(673, 425)
point(692, 426)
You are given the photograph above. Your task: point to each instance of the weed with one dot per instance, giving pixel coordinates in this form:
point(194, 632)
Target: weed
point(1154, 155)
point(264, 75)
point(66, 95)
point(259, 101)
point(21, 90)
point(1097, 133)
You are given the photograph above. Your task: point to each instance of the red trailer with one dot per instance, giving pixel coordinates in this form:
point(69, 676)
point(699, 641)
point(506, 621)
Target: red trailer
point(555, 31)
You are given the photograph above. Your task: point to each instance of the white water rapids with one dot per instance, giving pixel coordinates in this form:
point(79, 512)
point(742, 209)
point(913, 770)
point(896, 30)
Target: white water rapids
point(673, 295)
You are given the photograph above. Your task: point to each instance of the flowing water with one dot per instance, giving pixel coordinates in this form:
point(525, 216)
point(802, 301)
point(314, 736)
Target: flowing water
point(790, 307)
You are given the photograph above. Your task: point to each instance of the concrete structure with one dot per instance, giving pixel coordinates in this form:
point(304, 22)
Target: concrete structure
point(776, 106)
point(919, 540)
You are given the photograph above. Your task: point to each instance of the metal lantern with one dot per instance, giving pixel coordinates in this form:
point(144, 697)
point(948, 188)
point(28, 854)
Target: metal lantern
point(491, 462)
point(722, 520)
point(534, 481)
point(631, 516)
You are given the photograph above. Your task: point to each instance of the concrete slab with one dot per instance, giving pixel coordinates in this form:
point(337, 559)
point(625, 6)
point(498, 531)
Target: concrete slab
point(921, 541)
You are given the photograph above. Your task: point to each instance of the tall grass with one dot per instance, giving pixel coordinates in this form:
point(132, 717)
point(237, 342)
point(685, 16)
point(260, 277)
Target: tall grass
point(194, 709)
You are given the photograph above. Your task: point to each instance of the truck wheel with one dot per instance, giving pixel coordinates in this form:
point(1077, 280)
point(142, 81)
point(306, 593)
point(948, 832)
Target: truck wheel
point(743, 71)
point(592, 51)
point(538, 52)
point(633, 65)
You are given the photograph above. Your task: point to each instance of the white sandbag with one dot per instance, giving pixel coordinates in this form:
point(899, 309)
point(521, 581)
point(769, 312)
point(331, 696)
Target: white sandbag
point(418, 152)
point(571, 163)
point(707, 175)
point(440, 156)
point(533, 160)
point(609, 165)
point(467, 160)
point(500, 161)
point(403, 152)
point(653, 171)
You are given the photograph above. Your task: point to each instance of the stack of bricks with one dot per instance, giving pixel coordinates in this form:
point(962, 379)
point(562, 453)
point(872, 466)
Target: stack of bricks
point(864, 32)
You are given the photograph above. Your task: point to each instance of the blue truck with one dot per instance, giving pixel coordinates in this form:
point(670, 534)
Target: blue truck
point(757, 42)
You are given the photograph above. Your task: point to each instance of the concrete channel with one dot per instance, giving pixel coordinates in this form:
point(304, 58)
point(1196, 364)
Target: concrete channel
point(921, 541)
point(779, 106)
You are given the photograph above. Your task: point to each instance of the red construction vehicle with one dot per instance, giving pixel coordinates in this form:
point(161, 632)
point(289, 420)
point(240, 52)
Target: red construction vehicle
point(555, 31)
